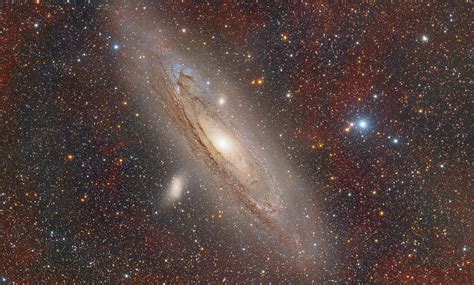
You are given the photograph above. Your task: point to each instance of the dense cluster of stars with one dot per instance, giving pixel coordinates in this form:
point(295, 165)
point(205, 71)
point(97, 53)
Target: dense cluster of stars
point(369, 102)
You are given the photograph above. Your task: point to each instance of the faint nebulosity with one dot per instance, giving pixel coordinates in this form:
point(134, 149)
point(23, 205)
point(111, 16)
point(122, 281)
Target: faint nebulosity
point(235, 142)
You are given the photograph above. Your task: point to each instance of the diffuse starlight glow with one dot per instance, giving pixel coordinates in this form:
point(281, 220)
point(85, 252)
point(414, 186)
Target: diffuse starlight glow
point(246, 175)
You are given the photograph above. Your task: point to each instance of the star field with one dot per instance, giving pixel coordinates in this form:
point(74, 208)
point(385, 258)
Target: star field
point(369, 103)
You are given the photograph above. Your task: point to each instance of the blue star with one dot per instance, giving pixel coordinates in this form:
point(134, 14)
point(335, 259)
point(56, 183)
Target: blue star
point(363, 124)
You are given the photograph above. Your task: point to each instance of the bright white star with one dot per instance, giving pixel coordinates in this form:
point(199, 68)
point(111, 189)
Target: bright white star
point(363, 124)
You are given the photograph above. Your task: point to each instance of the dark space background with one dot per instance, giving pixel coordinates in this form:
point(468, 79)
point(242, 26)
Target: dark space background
point(80, 166)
